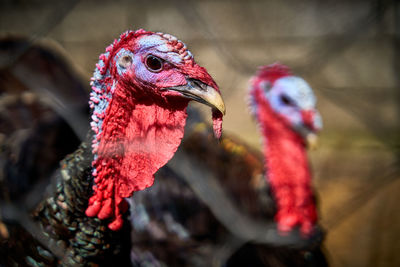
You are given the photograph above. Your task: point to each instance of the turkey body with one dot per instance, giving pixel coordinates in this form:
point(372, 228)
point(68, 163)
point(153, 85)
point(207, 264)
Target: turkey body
point(71, 238)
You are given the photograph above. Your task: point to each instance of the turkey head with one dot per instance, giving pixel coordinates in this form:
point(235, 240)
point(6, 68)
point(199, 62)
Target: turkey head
point(141, 87)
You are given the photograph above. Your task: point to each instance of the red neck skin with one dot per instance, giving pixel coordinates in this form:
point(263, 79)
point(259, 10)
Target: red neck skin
point(138, 137)
point(288, 171)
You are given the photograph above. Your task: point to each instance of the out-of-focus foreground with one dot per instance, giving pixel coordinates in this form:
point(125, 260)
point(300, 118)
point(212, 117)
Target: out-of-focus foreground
point(348, 51)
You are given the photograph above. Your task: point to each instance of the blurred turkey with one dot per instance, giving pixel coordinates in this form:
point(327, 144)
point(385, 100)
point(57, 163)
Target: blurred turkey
point(284, 107)
point(172, 225)
point(140, 90)
point(35, 133)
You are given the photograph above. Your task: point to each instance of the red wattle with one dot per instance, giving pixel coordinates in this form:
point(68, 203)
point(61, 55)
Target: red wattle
point(116, 224)
point(106, 209)
point(217, 123)
point(94, 207)
point(288, 170)
point(137, 127)
point(137, 139)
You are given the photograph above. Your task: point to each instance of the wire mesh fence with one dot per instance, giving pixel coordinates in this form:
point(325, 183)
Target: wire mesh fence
point(346, 50)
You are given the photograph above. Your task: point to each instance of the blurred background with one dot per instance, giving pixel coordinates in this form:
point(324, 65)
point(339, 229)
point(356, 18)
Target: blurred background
point(348, 51)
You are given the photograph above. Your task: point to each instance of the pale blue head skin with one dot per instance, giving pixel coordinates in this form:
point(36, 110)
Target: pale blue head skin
point(158, 46)
point(290, 96)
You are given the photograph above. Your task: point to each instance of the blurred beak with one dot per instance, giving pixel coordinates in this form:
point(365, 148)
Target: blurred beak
point(312, 123)
point(311, 119)
point(201, 92)
point(312, 141)
point(309, 136)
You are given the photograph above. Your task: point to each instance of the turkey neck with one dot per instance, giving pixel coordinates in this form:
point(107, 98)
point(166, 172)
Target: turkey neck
point(287, 167)
point(62, 216)
point(73, 188)
point(139, 134)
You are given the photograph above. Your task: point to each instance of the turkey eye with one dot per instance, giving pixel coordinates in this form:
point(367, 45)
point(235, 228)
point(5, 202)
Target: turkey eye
point(286, 100)
point(125, 61)
point(153, 63)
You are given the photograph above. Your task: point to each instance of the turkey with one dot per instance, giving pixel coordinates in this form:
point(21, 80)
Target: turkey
point(141, 87)
point(284, 107)
point(212, 206)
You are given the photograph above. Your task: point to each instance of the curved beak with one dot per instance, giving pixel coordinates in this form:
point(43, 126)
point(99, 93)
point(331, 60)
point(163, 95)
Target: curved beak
point(201, 92)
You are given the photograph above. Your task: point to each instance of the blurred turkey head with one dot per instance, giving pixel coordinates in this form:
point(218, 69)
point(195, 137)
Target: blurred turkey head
point(291, 98)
